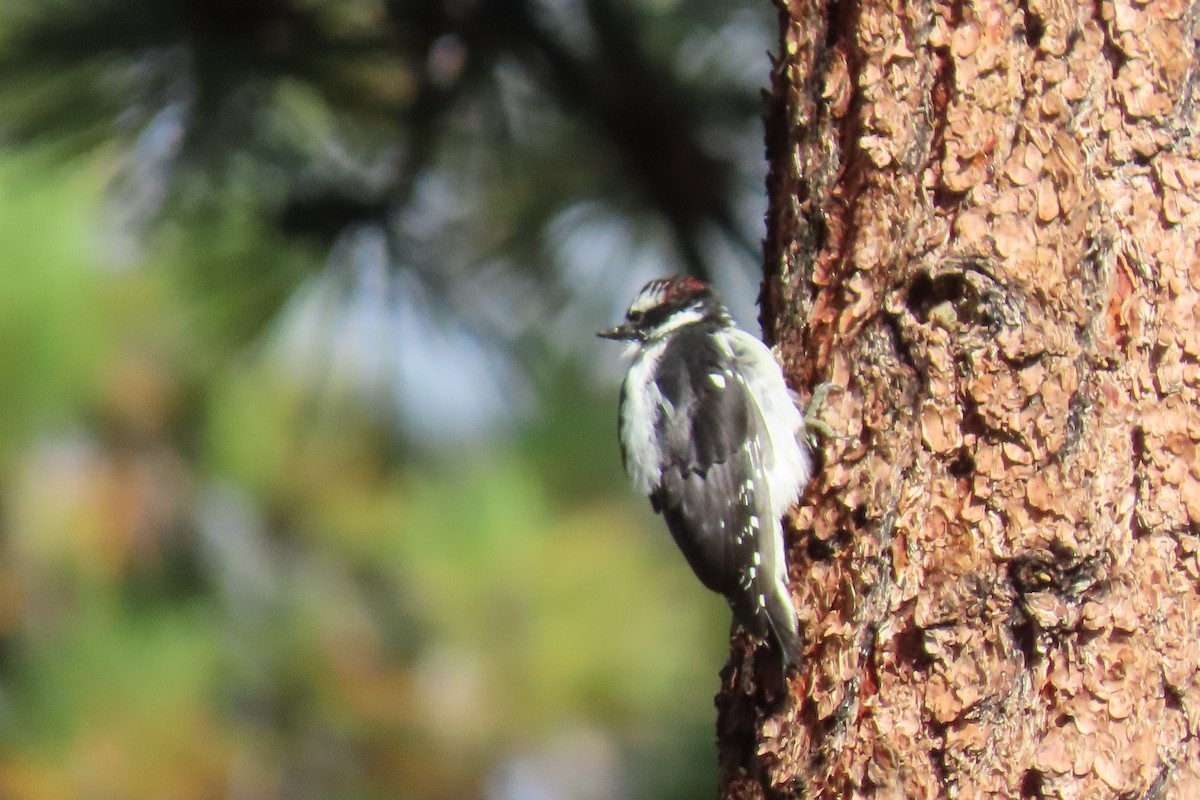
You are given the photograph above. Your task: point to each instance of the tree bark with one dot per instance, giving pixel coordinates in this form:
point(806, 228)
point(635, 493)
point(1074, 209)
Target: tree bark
point(984, 223)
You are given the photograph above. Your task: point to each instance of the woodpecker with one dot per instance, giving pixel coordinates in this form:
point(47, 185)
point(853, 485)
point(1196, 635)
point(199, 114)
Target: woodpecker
point(710, 431)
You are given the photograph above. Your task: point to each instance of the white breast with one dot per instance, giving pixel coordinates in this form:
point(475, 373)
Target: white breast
point(639, 410)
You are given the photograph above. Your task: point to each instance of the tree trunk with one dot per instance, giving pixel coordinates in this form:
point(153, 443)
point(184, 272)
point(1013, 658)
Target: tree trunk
point(984, 225)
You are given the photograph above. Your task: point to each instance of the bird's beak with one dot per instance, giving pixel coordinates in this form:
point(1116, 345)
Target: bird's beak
point(621, 333)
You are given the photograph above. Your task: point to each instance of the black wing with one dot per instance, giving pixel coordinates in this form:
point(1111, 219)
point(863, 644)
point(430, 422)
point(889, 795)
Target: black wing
point(716, 512)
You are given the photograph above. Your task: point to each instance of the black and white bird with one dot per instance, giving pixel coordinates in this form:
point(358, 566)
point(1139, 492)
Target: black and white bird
point(710, 431)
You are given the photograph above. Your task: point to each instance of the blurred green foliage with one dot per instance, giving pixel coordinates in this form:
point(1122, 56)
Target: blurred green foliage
point(214, 586)
point(53, 335)
point(309, 482)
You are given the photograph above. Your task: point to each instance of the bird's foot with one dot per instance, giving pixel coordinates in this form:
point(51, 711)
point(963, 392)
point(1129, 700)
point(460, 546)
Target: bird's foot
point(812, 423)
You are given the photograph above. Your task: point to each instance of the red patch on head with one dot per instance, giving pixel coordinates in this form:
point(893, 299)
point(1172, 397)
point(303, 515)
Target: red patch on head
point(684, 284)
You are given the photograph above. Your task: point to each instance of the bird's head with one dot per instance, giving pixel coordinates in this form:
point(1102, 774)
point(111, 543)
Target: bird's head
point(665, 305)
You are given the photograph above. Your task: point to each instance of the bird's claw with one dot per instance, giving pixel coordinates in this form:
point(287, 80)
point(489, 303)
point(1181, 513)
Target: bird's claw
point(812, 423)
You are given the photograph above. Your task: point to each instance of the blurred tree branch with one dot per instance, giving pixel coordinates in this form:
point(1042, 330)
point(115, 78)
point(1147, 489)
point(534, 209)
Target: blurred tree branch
point(576, 100)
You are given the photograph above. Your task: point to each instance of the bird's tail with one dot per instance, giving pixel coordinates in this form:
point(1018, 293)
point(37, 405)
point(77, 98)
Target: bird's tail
point(784, 633)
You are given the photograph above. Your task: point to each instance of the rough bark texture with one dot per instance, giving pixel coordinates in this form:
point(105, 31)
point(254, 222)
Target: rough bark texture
point(984, 224)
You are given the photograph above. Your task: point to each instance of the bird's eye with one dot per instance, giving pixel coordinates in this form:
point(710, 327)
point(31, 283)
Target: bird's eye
point(635, 316)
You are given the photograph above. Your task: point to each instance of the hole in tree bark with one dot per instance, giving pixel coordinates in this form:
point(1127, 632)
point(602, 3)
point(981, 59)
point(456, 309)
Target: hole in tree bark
point(926, 292)
point(1035, 29)
point(824, 549)
point(1025, 638)
point(910, 647)
point(962, 466)
point(1032, 784)
point(1172, 699)
point(818, 549)
point(1115, 55)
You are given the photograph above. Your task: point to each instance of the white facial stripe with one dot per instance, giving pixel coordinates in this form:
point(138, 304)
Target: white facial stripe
point(685, 316)
point(650, 297)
